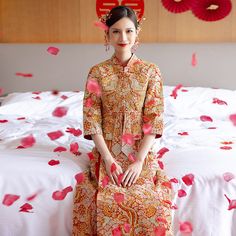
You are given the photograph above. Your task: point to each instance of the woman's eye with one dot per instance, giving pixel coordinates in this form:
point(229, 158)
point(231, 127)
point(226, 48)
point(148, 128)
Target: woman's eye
point(130, 31)
point(115, 31)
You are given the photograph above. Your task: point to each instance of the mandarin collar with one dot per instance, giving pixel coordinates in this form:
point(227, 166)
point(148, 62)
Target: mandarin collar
point(131, 61)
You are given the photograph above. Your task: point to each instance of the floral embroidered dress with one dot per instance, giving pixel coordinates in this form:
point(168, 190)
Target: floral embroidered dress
point(130, 97)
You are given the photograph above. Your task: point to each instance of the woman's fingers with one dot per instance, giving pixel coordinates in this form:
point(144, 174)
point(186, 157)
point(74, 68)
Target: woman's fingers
point(126, 180)
point(131, 180)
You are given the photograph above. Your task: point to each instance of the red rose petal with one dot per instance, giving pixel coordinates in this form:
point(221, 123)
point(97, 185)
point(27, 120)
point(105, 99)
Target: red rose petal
point(228, 176)
point(88, 102)
point(80, 178)
point(101, 25)
point(113, 167)
point(226, 147)
point(105, 181)
point(174, 180)
point(161, 165)
point(75, 132)
point(3, 121)
point(218, 101)
point(194, 59)
point(74, 148)
point(26, 75)
point(28, 141)
point(53, 50)
point(233, 119)
point(116, 231)
point(53, 162)
point(1, 91)
point(181, 193)
point(60, 195)
point(21, 118)
point(64, 97)
point(59, 149)
point(183, 133)
point(174, 92)
point(33, 196)
point(188, 179)
point(162, 151)
point(119, 197)
point(26, 207)
point(55, 135)
point(185, 227)
point(206, 118)
point(60, 111)
point(9, 199)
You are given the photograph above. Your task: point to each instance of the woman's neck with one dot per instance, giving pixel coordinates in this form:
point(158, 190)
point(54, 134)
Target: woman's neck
point(123, 57)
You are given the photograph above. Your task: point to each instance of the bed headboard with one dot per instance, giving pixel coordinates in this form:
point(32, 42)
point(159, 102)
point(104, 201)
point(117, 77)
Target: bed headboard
point(216, 64)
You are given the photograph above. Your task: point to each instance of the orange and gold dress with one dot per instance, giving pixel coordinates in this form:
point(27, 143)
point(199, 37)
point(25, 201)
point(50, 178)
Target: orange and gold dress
point(130, 97)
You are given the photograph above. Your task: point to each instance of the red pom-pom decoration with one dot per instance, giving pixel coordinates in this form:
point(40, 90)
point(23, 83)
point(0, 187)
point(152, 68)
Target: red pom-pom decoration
point(177, 6)
point(211, 10)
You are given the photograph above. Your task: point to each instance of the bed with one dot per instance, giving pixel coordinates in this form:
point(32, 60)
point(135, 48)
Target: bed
point(41, 154)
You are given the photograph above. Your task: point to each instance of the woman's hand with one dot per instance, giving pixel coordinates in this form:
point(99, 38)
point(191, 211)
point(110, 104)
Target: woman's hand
point(132, 173)
point(113, 170)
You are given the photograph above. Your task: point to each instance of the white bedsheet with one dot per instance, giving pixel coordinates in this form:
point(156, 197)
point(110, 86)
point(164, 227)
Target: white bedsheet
point(26, 171)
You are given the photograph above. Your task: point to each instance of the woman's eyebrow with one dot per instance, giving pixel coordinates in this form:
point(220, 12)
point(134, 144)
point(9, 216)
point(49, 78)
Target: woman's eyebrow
point(119, 29)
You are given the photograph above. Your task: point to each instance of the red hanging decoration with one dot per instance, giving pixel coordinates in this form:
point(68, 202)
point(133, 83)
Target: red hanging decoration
point(211, 10)
point(104, 6)
point(177, 6)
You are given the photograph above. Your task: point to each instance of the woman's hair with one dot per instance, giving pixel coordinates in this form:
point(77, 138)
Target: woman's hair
point(119, 12)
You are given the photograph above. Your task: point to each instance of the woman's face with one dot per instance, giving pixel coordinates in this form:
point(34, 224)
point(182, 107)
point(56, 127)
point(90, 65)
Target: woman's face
point(122, 35)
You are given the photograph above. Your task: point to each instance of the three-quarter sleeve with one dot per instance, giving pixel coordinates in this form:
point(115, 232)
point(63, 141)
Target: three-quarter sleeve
point(92, 105)
point(154, 103)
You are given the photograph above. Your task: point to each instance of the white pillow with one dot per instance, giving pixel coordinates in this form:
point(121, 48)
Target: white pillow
point(198, 101)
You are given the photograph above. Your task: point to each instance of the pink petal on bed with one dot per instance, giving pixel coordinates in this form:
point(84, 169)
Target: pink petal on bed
point(26, 75)
point(184, 90)
point(80, 178)
point(33, 196)
point(181, 193)
point(91, 156)
point(232, 203)
point(119, 197)
point(53, 162)
point(116, 231)
point(132, 157)
point(218, 101)
point(74, 147)
point(28, 141)
point(183, 133)
point(206, 118)
point(160, 231)
point(212, 128)
point(227, 142)
point(64, 97)
point(233, 119)
point(120, 177)
point(59, 149)
point(55, 92)
point(147, 128)
point(174, 207)
point(228, 176)
point(194, 59)
point(9, 199)
point(161, 165)
point(93, 87)
point(174, 91)
point(174, 180)
point(113, 167)
point(226, 148)
point(55, 135)
point(127, 227)
point(36, 98)
point(26, 207)
point(128, 139)
point(21, 118)
point(60, 111)
point(60, 195)
point(3, 121)
point(185, 227)
point(105, 181)
point(162, 151)
point(53, 50)
point(75, 132)
point(188, 179)
point(36, 92)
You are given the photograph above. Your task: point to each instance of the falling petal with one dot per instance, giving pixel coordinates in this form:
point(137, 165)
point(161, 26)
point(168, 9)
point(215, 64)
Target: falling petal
point(33, 196)
point(188, 179)
point(74, 148)
point(26, 75)
point(174, 180)
point(194, 59)
point(53, 50)
point(174, 92)
point(55, 92)
point(161, 152)
point(101, 25)
point(9, 199)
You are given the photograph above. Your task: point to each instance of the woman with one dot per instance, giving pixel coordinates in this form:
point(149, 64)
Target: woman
point(124, 192)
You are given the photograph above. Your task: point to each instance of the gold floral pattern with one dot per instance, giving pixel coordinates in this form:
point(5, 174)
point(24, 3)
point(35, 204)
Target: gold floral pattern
point(130, 97)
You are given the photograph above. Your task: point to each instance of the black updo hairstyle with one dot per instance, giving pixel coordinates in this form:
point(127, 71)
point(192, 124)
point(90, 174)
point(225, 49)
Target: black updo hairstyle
point(119, 12)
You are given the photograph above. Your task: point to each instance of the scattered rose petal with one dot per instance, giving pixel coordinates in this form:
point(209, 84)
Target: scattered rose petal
point(119, 197)
point(74, 148)
point(55, 135)
point(174, 180)
point(174, 207)
point(226, 147)
point(33, 196)
point(64, 97)
point(206, 118)
point(53, 162)
point(9, 199)
point(28, 141)
point(3, 121)
point(21, 118)
point(233, 119)
point(60, 195)
point(162, 151)
point(59, 149)
point(155, 179)
point(232, 203)
point(128, 139)
point(188, 179)
point(105, 181)
point(60, 111)
point(161, 165)
point(26, 207)
point(174, 92)
point(55, 92)
point(181, 193)
point(228, 176)
point(91, 156)
point(75, 132)
point(53, 50)
point(36, 92)
point(218, 101)
point(26, 75)
point(37, 98)
point(100, 25)
point(185, 227)
point(80, 178)
point(167, 184)
point(194, 59)
point(212, 128)
point(183, 133)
